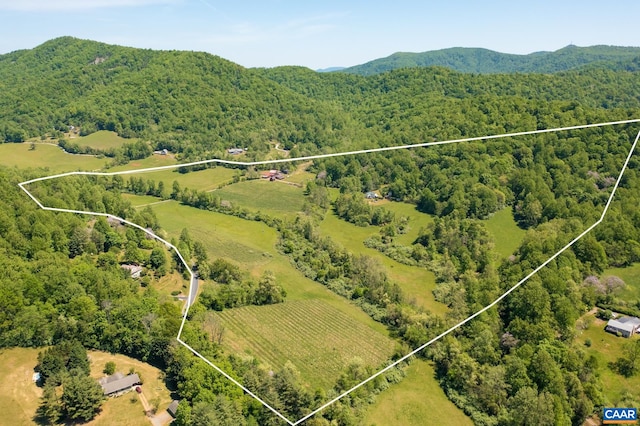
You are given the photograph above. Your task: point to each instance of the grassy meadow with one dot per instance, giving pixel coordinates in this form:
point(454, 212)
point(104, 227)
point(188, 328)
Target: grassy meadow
point(202, 180)
point(102, 139)
point(506, 233)
point(274, 198)
point(417, 400)
point(631, 276)
point(47, 156)
point(317, 338)
point(417, 283)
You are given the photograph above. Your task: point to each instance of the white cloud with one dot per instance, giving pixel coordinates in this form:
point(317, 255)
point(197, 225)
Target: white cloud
point(71, 5)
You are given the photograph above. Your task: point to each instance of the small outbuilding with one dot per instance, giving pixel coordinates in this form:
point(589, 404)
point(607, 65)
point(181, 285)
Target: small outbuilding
point(173, 408)
point(626, 326)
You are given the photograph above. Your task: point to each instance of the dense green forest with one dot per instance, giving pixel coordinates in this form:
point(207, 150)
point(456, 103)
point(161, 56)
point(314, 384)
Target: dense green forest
point(517, 364)
point(483, 61)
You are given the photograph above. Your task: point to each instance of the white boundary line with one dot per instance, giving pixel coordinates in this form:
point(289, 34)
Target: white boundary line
point(319, 156)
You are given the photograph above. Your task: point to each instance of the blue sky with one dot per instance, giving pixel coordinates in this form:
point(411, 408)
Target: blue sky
point(320, 34)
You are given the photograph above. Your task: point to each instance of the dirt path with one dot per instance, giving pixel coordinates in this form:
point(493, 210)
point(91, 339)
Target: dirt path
point(145, 403)
point(161, 419)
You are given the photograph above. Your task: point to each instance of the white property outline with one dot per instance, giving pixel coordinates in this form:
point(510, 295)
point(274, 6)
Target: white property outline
point(312, 157)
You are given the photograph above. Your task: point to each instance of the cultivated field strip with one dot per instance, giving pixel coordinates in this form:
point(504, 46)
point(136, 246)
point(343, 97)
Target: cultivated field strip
point(317, 338)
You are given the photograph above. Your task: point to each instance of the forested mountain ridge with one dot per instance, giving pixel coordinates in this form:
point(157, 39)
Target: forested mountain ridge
point(176, 99)
point(198, 105)
point(484, 61)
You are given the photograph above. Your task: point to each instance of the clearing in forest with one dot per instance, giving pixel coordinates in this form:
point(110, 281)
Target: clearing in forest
point(102, 139)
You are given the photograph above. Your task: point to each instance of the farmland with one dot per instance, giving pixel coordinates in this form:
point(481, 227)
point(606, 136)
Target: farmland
point(416, 401)
point(317, 338)
point(47, 156)
point(102, 139)
point(274, 198)
point(202, 180)
point(251, 245)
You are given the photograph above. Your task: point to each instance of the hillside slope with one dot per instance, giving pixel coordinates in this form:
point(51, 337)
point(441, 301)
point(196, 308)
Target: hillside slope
point(484, 61)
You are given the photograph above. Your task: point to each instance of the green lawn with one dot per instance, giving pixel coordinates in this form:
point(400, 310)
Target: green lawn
point(274, 198)
point(417, 283)
point(47, 156)
point(506, 233)
point(631, 276)
point(102, 139)
point(607, 348)
point(317, 338)
point(417, 400)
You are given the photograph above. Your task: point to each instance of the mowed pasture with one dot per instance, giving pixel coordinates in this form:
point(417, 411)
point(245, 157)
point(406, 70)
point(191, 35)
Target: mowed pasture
point(201, 180)
point(317, 338)
point(252, 246)
point(102, 139)
point(416, 283)
point(417, 400)
point(274, 198)
point(507, 235)
point(48, 156)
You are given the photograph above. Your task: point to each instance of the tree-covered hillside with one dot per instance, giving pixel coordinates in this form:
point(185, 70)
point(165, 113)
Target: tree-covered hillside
point(184, 101)
point(484, 61)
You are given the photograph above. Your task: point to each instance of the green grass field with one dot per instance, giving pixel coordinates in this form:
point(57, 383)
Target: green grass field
point(417, 283)
point(102, 139)
point(274, 198)
point(317, 338)
point(146, 163)
point(631, 276)
point(417, 219)
point(417, 400)
point(202, 180)
point(252, 246)
point(607, 348)
point(47, 156)
point(506, 233)
point(141, 200)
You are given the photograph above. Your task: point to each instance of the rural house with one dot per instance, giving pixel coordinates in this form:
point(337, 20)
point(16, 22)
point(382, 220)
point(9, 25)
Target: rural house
point(118, 383)
point(626, 326)
point(371, 195)
point(134, 270)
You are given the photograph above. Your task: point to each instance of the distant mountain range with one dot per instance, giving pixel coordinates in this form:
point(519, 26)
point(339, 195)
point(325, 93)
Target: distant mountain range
point(484, 61)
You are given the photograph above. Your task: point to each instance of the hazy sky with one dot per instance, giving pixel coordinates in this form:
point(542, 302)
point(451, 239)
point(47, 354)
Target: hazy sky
point(320, 34)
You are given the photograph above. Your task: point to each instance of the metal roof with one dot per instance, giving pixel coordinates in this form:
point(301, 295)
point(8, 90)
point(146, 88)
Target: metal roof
point(120, 384)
